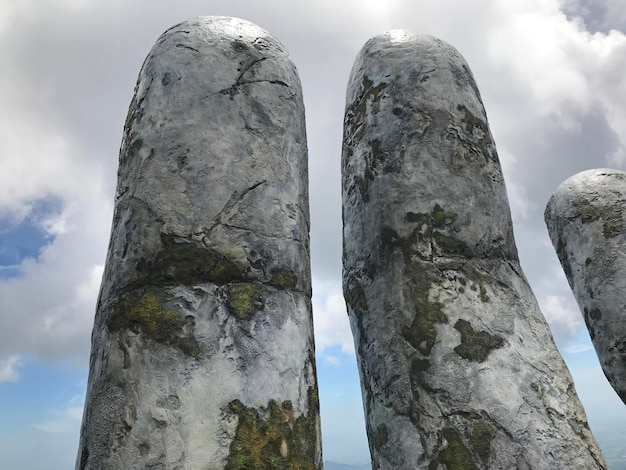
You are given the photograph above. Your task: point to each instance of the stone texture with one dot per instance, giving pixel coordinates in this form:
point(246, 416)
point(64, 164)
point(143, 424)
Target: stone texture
point(202, 348)
point(586, 219)
point(458, 366)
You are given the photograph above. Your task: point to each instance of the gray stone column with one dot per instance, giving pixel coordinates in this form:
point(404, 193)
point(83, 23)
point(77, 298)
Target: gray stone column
point(458, 367)
point(202, 348)
point(586, 218)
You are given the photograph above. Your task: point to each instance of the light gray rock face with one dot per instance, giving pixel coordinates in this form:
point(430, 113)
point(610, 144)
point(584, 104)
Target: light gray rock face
point(586, 219)
point(457, 363)
point(202, 348)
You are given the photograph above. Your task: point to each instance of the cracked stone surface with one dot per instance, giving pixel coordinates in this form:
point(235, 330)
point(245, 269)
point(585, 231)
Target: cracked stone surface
point(458, 365)
point(586, 219)
point(202, 348)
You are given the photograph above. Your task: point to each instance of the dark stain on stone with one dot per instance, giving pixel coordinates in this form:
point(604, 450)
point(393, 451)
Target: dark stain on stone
point(455, 456)
point(239, 46)
point(478, 132)
point(380, 437)
point(475, 345)
point(355, 297)
point(561, 252)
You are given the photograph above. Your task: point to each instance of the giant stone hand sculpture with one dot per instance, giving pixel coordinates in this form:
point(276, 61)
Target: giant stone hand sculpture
point(586, 219)
point(202, 348)
point(458, 367)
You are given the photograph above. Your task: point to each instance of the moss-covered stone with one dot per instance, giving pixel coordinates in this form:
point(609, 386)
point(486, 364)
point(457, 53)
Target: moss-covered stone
point(283, 279)
point(481, 437)
point(421, 334)
point(611, 216)
point(455, 455)
point(355, 297)
point(370, 94)
point(478, 282)
point(244, 300)
point(477, 130)
point(273, 437)
point(475, 345)
point(441, 217)
point(182, 261)
point(417, 217)
point(380, 437)
point(143, 311)
point(451, 246)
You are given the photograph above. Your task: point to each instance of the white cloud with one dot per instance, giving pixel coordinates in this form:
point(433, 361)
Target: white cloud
point(578, 348)
point(9, 368)
point(539, 74)
point(47, 309)
point(564, 318)
point(332, 327)
point(64, 420)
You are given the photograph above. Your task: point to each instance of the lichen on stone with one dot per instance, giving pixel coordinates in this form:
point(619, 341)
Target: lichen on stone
point(380, 437)
point(455, 455)
point(611, 216)
point(481, 437)
point(451, 246)
point(143, 310)
point(477, 129)
point(475, 345)
point(186, 262)
point(370, 94)
point(283, 279)
point(441, 217)
point(422, 334)
point(243, 300)
point(273, 437)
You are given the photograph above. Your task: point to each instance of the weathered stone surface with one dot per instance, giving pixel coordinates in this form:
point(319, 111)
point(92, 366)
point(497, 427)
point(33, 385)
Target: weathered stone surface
point(586, 219)
point(202, 353)
point(458, 366)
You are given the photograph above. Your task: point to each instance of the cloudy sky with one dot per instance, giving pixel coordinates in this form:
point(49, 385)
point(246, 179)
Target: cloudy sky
point(552, 74)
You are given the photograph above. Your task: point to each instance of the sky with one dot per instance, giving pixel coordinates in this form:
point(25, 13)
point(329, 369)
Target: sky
point(552, 78)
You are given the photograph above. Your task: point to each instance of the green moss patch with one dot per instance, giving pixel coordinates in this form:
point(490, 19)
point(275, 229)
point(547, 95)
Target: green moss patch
point(273, 437)
point(144, 311)
point(481, 437)
point(186, 262)
point(451, 246)
point(441, 217)
point(421, 334)
point(475, 345)
point(283, 279)
point(478, 282)
point(611, 216)
point(244, 300)
point(455, 456)
point(370, 94)
point(380, 437)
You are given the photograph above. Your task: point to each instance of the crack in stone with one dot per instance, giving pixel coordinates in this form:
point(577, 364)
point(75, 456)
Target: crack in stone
point(184, 46)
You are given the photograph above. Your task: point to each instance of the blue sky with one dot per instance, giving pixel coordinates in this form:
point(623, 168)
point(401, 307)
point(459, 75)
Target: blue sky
point(551, 75)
